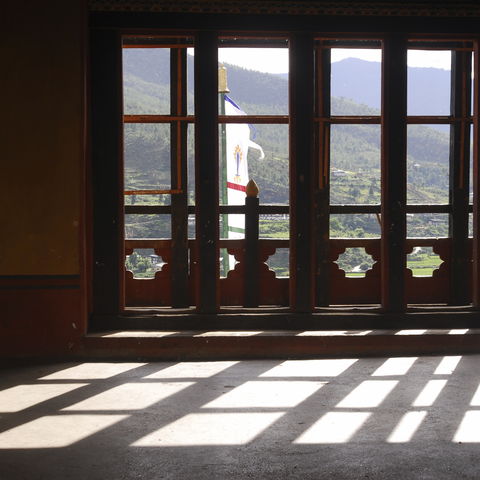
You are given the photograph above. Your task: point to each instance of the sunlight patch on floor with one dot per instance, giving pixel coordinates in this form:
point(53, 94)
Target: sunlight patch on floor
point(448, 365)
point(56, 431)
point(92, 371)
point(411, 332)
point(431, 391)
point(129, 396)
point(458, 331)
point(228, 333)
point(406, 428)
point(192, 370)
point(138, 333)
point(476, 398)
point(19, 398)
point(395, 366)
point(469, 430)
point(198, 429)
point(329, 333)
point(274, 394)
point(310, 368)
point(370, 393)
point(334, 427)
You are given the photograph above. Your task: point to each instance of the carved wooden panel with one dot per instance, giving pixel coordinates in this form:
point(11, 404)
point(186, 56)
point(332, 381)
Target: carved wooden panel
point(272, 290)
point(434, 289)
point(157, 291)
point(345, 290)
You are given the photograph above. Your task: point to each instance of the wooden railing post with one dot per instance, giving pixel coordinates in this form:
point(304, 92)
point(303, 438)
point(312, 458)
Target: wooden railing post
point(251, 279)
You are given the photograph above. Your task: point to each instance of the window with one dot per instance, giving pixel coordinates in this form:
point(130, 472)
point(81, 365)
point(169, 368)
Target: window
point(158, 165)
point(355, 183)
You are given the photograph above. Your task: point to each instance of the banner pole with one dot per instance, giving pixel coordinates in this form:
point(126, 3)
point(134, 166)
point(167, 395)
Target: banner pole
point(222, 90)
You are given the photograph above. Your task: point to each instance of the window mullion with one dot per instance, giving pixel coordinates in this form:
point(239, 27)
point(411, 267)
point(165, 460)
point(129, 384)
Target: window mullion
point(476, 179)
point(394, 173)
point(322, 190)
point(459, 176)
point(206, 173)
point(179, 252)
point(301, 172)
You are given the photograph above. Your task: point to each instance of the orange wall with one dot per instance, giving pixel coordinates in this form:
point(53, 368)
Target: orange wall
point(42, 85)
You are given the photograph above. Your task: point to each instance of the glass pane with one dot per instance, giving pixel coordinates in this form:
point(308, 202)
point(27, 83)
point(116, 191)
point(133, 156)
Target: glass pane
point(428, 91)
point(427, 165)
point(279, 262)
point(146, 81)
point(135, 199)
point(190, 81)
point(423, 261)
point(355, 226)
point(191, 226)
point(356, 81)
point(226, 262)
point(147, 226)
point(274, 226)
point(143, 263)
point(470, 195)
point(355, 164)
point(355, 262)
point(265, 161)
point(470, 225)
point(191, 164)
point(147, 156)
point(472, 86)
point(232, 226)
point(257, 79)
point(421, 225)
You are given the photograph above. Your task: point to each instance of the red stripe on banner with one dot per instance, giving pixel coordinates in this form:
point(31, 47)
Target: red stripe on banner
point(236, 186)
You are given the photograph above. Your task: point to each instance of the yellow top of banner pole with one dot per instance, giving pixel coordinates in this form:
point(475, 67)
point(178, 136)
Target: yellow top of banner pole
point(222, 80)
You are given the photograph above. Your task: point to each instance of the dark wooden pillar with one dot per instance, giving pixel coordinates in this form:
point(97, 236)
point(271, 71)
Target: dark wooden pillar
point(178, 103)
point(302, 260)
point(106, 137)
point(476, 178)
point(322, 174)
point(206, 172)
point(394, 173)
point(459, 176)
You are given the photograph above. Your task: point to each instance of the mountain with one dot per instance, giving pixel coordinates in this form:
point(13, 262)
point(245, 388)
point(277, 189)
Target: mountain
point(360, 80)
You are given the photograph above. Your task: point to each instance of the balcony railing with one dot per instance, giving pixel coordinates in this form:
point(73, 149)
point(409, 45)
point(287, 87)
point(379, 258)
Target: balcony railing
point(252, 283)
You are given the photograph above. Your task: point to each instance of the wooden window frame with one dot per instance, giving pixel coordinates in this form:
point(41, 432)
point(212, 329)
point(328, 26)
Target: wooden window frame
point(309, 184)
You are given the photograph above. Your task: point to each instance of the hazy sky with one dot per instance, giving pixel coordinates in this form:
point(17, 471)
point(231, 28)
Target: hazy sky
point(275, 60)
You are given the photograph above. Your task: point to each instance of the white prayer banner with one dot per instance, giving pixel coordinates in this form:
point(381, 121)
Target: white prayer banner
point(237, 144)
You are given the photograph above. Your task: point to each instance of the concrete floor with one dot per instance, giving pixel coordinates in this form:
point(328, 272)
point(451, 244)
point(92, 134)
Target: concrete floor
point(374, 418)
